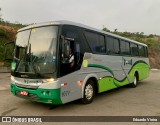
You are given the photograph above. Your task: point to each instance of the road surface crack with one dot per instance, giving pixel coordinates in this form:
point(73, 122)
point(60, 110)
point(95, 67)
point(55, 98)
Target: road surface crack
point(8, 111)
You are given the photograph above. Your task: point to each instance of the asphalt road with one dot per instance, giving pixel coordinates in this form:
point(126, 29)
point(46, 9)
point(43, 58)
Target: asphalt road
point(140, 101)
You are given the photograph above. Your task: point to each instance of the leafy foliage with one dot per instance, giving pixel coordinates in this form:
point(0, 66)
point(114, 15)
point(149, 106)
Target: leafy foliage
point(7, 34)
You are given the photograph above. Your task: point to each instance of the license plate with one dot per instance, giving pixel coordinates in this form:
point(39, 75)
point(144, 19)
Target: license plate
point(24, 93)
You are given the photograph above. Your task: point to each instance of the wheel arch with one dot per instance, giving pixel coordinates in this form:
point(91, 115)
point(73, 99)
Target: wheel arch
point(94, 78)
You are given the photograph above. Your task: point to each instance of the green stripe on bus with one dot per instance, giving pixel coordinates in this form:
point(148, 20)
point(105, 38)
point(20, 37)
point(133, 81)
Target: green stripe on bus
point(108, 82)
point(102, 67)
point(106, 68)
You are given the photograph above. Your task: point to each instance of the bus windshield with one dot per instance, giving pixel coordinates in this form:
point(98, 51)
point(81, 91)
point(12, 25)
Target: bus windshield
point(35, 50)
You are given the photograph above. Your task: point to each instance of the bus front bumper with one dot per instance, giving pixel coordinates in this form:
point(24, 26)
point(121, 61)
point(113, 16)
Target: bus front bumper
point(49, 96)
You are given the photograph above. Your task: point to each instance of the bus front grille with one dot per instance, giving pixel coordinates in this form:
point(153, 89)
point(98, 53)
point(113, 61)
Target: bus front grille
point(26, 86)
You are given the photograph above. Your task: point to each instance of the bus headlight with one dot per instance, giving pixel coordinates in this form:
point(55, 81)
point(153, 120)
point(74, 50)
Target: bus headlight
point(49, 80)
point(12, 78)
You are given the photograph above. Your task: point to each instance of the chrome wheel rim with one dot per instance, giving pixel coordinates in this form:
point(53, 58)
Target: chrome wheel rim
point(89, 91)
point(135, 81)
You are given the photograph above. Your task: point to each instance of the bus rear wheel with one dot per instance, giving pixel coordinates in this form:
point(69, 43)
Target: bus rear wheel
point(134, 84)
point(89, 92)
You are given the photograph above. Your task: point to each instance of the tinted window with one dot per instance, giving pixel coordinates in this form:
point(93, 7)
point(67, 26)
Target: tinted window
point(125, 49)
point(116, 46)
point(76, 33)
point(146, 51)
point(141, 51)
point(79, 43)
point(134, 49)
point(112, 45)
point(96, 42)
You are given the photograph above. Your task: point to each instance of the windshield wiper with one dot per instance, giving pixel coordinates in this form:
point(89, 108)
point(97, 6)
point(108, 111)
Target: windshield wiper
point(26, 61)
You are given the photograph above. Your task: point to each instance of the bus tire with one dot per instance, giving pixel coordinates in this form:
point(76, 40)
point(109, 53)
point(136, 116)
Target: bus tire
point(89, 92)
point(134, 84)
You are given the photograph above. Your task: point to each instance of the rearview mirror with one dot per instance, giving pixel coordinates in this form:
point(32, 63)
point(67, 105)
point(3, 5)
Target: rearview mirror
point(9, 50)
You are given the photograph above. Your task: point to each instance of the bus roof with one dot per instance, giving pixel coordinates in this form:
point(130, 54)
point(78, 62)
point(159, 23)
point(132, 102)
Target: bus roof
point(64, 22)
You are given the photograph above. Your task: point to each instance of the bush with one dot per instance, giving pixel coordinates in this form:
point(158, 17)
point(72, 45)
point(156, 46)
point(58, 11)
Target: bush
point(149, 42)
point(2, 33)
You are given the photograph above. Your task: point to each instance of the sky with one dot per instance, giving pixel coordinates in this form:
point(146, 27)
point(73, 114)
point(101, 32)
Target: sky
point(123, 15)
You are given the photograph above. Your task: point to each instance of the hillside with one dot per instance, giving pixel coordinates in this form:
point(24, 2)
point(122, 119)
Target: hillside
point(8, 33)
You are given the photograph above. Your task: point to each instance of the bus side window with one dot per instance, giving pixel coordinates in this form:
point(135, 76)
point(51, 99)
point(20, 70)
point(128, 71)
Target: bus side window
point(79, 46)
point(128, 52)
point(96, 42)
point(113, 45)
point(141, 50)
point(134, 49)
point(125, 49)
point(146, 51)
point(110, 45)
point(116, 46)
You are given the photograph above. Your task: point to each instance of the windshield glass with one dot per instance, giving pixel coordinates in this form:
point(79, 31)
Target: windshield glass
point(36, 50)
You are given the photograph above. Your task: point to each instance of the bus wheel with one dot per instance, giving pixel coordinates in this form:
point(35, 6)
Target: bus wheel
point(89, 92)
point(134, 84)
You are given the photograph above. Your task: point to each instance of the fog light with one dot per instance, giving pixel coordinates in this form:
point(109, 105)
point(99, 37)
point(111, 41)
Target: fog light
point(43, 93)
point(48, 93)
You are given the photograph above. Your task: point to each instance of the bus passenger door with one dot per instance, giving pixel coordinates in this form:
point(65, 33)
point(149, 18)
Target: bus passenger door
point(127, 60)
point(68, 70)
point(126, 67)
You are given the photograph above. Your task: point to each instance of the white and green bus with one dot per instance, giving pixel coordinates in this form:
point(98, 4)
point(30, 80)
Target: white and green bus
point(41, 70)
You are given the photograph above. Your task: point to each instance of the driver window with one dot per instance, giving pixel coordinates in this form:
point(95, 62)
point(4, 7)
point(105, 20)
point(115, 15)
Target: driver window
point(70, 51)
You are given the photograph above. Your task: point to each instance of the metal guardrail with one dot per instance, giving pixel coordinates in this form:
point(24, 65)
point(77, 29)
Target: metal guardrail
point(5, 69)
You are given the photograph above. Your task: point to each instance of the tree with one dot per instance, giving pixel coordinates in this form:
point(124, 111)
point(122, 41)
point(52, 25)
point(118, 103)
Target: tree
point(0, 15)
point(115, 30)
point(142, 33)
point(106, 29)
point(149, 41)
